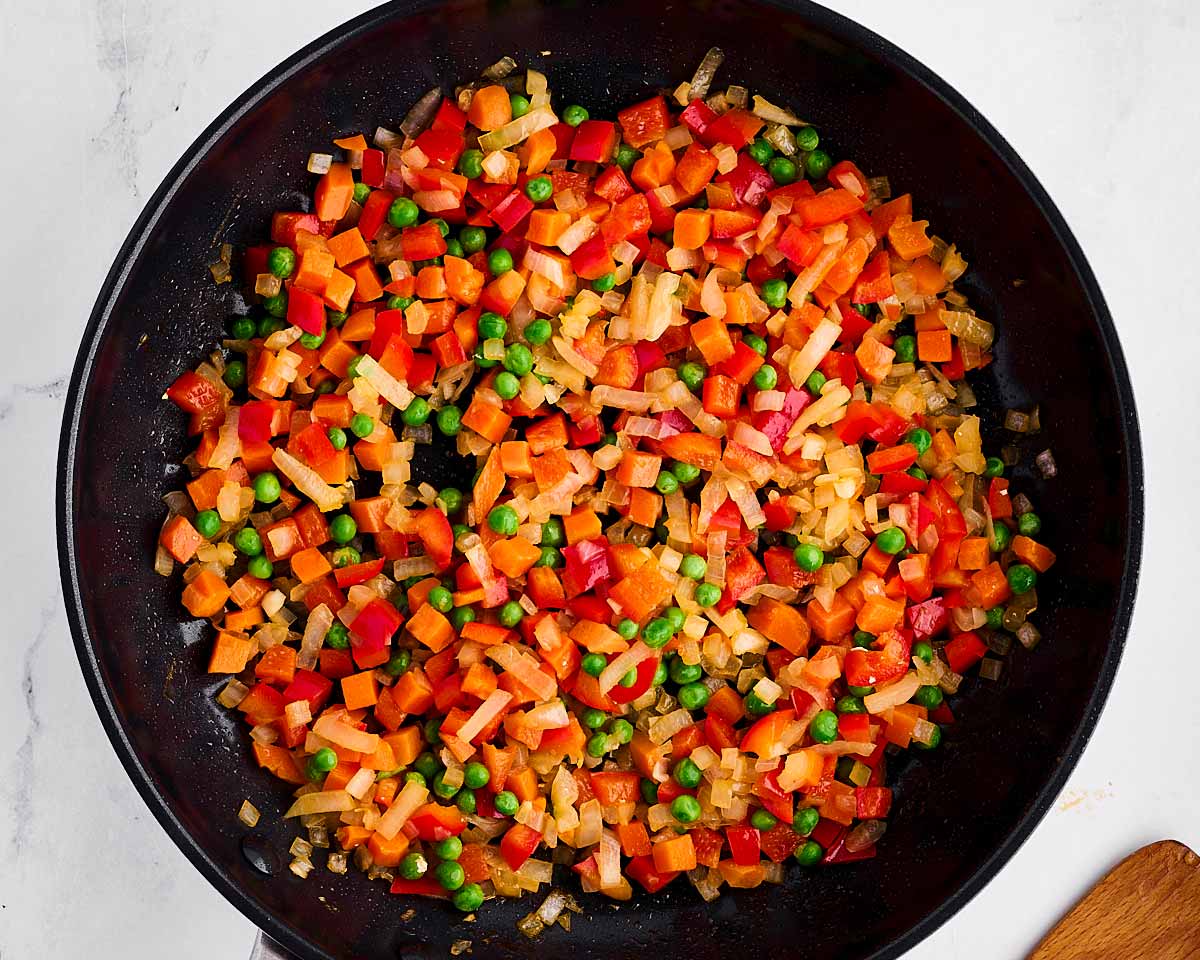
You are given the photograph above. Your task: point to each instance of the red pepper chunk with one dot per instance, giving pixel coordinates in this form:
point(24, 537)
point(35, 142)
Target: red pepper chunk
point(424, 242)
point(873, 802)
point(964, 651)
point(306, 311)
point(595, 141)
point(371, 632)
point(646, 875)
point(518, 844)
point(435, 822)
point(193, 393)
point(644, 122)
point(510, 211)
point(875, 281)
point(892, 459)
point(436, 535)
point(867, 668)
point(254, 421)
point(745, 845)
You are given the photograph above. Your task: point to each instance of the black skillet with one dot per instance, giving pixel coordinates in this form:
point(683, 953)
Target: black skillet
point(961, 812)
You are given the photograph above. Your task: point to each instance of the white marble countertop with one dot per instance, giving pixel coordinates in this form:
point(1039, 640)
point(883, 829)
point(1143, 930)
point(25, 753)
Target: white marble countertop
point(100, 99)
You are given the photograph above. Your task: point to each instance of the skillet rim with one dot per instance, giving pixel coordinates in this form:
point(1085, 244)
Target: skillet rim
point(821, 18)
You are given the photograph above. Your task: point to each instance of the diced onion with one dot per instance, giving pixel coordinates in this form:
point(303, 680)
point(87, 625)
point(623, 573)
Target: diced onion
point(335, 730)
point(517, 131)
point(328, 801)
point(622, 664)
point(892, 695)
point(412, 796)
point(308, 481)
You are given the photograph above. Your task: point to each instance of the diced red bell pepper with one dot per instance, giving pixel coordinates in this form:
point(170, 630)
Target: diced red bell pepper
point(435, 822)
point(964, 651)
point(735, 127)
point(764, 737)
point(799, 246)
point(697, 116)
point(428, 886)
point(745, 845)
point(371, 631)
point(875, 281)
point(595, 141)
point(778, 802)
point(750, 182)
point(613, 185)
point(449, 117)
point(902, 483)
point(254, 421)
point(358, 573)
point(727, 224)
point(442, 147)
point(510, 211)
point(779, 515)
point(742, 574)
point(586, 431)
point(587, 564)
point(285, 226)
point(780, 842)
point(742, 366)
point(999, 501)
point(309, 686)
point(373, 168)
point(629, 217)
point(313, 444)
point(783, 569)
point(721, 396)
point(719, 732)
point(424, 242)
point(592, 259)
point(647, 876)
point(892, 459)
point(854, 727)
point(306, 311)
point(866, 668)
point(928, 619)
point(645, 678)
point(836, 852)
point(436, 535)
point(775, 424)
point(194, 393)
point(518, 844)
point(374, 213)
point(644, 122)
point(846, 175)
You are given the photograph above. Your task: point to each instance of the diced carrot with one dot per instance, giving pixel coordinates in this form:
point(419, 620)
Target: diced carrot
point(490, 108)
point(655, 167)
point(204, 489)
point(360, 325)
point(277, 664)
point(640, 595)
point(582, 524)
point(366, 282)
point(514, 556)
point(677, 854)
point(486, 419)
point(973, 553)
point(334, 192)
point(712, 339)
point(383, 758)
point(406, 744)
point(515, 459)
point(388, 853)
point(386, 789)
point(488, 485)
point(230, 653)
point(279, 761)
point(369, 513)
point(239, 621)
point(874, 359)
point(928, 276)
point(206, 595)
point(488, 634)
point(352, 836)
point(537, 151)
point(992, 585)
point(904, 718)
point(431, 628)
point(634, 838)
point(546, 434)
point(782, 623)
point(834, 623)
point(360, 690)
point(180, 539)
point(645, 506)
point(309, 565)
point(546, 226)
point(692, 228)
point(726, 704)
point(1033, 553)
point(880, 614)
point(479, 681)
point(523, 783)
point(314, 269)
point(348, 246)
point(638, 469)
point(943, 446)
point(908, 239)
point(740, 877)
point(933, 346)
point(413, 693)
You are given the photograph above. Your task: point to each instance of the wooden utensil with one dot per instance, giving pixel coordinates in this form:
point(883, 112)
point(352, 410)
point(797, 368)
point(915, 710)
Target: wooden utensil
point(1146, 908)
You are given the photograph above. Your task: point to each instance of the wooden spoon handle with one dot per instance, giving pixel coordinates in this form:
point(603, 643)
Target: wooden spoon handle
point(1146, 908)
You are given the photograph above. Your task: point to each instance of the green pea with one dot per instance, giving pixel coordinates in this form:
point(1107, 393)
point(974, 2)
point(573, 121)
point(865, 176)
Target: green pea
point(470, 164)
point(281, 261)
point(450, 874)
point(539, 189)
point(362, 425)
point(520, 105)
point(935, 739)
point(657, 633)
point(622, 730)
point(398, 663)
point(550, 557)
point(417, 412)
point(468, 898)
point(499, 261)
point(915, 471)
point(774, 295)
point(440, 787)
point(849, 704)
point(863, 639)
point(762, 819)
point(692, 374)
point(397, 302)
point(450, 848)
point(518, 359)
point(594, 719)
point(818, 164)
point(511, 614)
point(783, 170)
point(675, 617)
point(320, 763)
point(312, 340)
point(242, 328)
point(266, 487)
point(276, 307)
point(693, 566)
point(707, 595)
point(552, 533)
point(807, 139)
point(461, 616)
point(993, 467)
point(667, 483)
point(413, 777)
point(235, 374)
point(610, 439)
point(685, 673)
point(765, 377)
point(413, 866)
point(628, 678)
point(761, 151)
point(506, 385)
point(427, 765)
point(1029, 524)
point(342, 528)
point(685, 472)
point(337, 637)
point(403, 213)
point(597, 745)
point(1002, 536)
point(539, 331)
point(503, 520)
point(442, 225)
point(207, 523)
point(605, 283)
point(805, 821)
point(693, 696)
point(824, 727)
point(451, 499)
point(809, 855)
point(593, 664)
point(506, 803)
point(1022, 578)
point(454, 248)
point(906, 349)
point(346, 557)
point(449, 421)
point(574, 115)
point(248, 541)
point(891, 541)
point(756, 706)
point(491, 326)
point(685, 808)
point(929, 696)
point(627, 157)
point(809, 557)
point(995, 617)
point(335, 318)
point(440, 599)
point(627, 629)
point(815, 382)
point(472, 239)
point(262, 568)
point(337, 438)
point(649, 790)
point(687, 774)
point(923, 650)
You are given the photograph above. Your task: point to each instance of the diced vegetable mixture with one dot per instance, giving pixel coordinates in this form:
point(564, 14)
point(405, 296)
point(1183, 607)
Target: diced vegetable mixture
point(732, 538)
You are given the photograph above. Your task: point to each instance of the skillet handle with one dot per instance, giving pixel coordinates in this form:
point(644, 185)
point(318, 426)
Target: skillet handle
point(267, 949)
